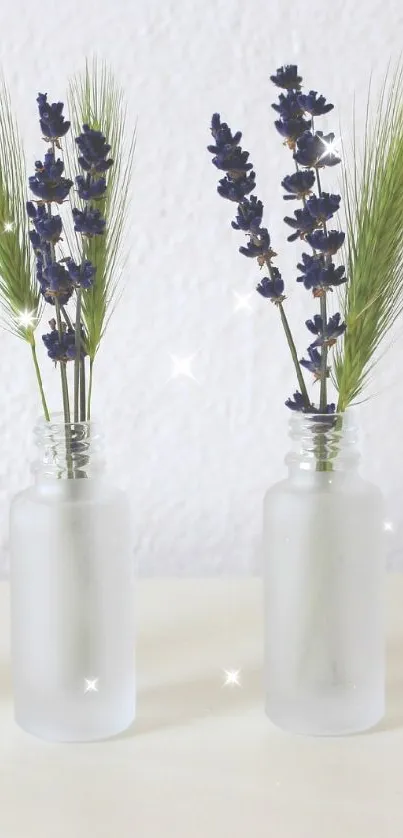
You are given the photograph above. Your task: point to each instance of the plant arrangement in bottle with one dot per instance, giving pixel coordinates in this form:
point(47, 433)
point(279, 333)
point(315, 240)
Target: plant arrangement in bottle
point(71, 558)
point(323, 543)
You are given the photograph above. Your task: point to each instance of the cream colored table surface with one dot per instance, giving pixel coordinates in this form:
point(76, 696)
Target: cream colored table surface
point(202, 760)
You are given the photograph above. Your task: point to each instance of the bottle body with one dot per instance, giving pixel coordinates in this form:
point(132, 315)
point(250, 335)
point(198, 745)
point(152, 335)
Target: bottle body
point(72, 609)
point(324, 575)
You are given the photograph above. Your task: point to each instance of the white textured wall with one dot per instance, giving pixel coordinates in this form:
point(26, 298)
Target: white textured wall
point(197, 457)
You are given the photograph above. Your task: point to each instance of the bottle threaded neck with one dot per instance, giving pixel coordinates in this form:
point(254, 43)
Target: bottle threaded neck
point(67, 451)
point(321, 442)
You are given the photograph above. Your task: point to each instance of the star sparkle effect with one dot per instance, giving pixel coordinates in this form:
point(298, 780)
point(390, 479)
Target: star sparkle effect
point(242, 302)
point(182, 366)
point(8, 226)
point(91, 685)
point(332, 148)
point(26, 319)
point(388, 526)
point(232, 678)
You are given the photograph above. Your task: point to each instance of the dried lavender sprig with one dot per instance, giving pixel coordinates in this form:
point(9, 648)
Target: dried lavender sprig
point(238, 183)
point(77, 359)
point(57, 281)
point(95, 163)
point(312, 151)
point(49, 185)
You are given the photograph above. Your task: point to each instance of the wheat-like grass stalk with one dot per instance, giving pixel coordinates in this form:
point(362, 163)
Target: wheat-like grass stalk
point(96, 99)
point(372, 300)
point(20, 301)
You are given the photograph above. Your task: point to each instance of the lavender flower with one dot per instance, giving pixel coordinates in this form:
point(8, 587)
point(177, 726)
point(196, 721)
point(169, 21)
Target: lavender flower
point(57, 278)
point(273, 288)
point(314, 363)
point(250, 213)
point(297, 403)
point(287, 77)
point(323, 208)
point(302, 223)
point(94, 151)
point(229, 157)
point(292, 128)
point(299, 185)
point(44, 251)
point(328, 334)
point(62, 297)
point(48, 228)
point(47, 183)
point(222, 135)
point(327, 242)
point(89, 222)
point(313, 104)
point(39, 268)
point(288, 106)
point(90, 189)
point(81, 275)
point(236, 190)
point(318, 275)
point(61, 348)
point(54, 284)
point(35, 239)
point(233, 160)
point(258, 247)
point(52, 276)
point(51, 119)
point(312, 150)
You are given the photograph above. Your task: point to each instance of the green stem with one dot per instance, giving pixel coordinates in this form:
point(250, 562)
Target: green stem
point(66, 317)
point(294, 355)
point(65, 395)
point(63, 372)
point(82, 390)
point(323, 314)
point(77, 356)
point(291, 344)
point(323, 359)
point(90, 390)
point(39, 380)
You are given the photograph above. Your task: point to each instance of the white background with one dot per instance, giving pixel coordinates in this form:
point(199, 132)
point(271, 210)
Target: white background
point(198, 456)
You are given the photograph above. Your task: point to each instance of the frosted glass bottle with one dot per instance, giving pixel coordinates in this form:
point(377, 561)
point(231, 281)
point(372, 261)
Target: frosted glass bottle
point(71, 584)
point(323, 576)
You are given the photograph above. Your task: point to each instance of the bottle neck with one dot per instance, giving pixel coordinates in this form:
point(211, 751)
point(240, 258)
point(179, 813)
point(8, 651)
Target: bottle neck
point(323, 444)
point(67, 451)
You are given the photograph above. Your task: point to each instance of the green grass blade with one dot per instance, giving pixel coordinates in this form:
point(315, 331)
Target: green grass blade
point(372, 300)
point(96, 98)
point(19, 292)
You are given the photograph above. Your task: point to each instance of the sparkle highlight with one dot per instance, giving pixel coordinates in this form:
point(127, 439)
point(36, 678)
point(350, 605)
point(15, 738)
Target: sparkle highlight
point(182, 366)
point(27, 319)
point(91, 685)
point(332, 148)
point(242, 302)
point(232, 678)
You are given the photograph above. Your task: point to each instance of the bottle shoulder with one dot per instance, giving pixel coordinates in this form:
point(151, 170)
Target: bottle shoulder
point(69, 492)
point(328, 483)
